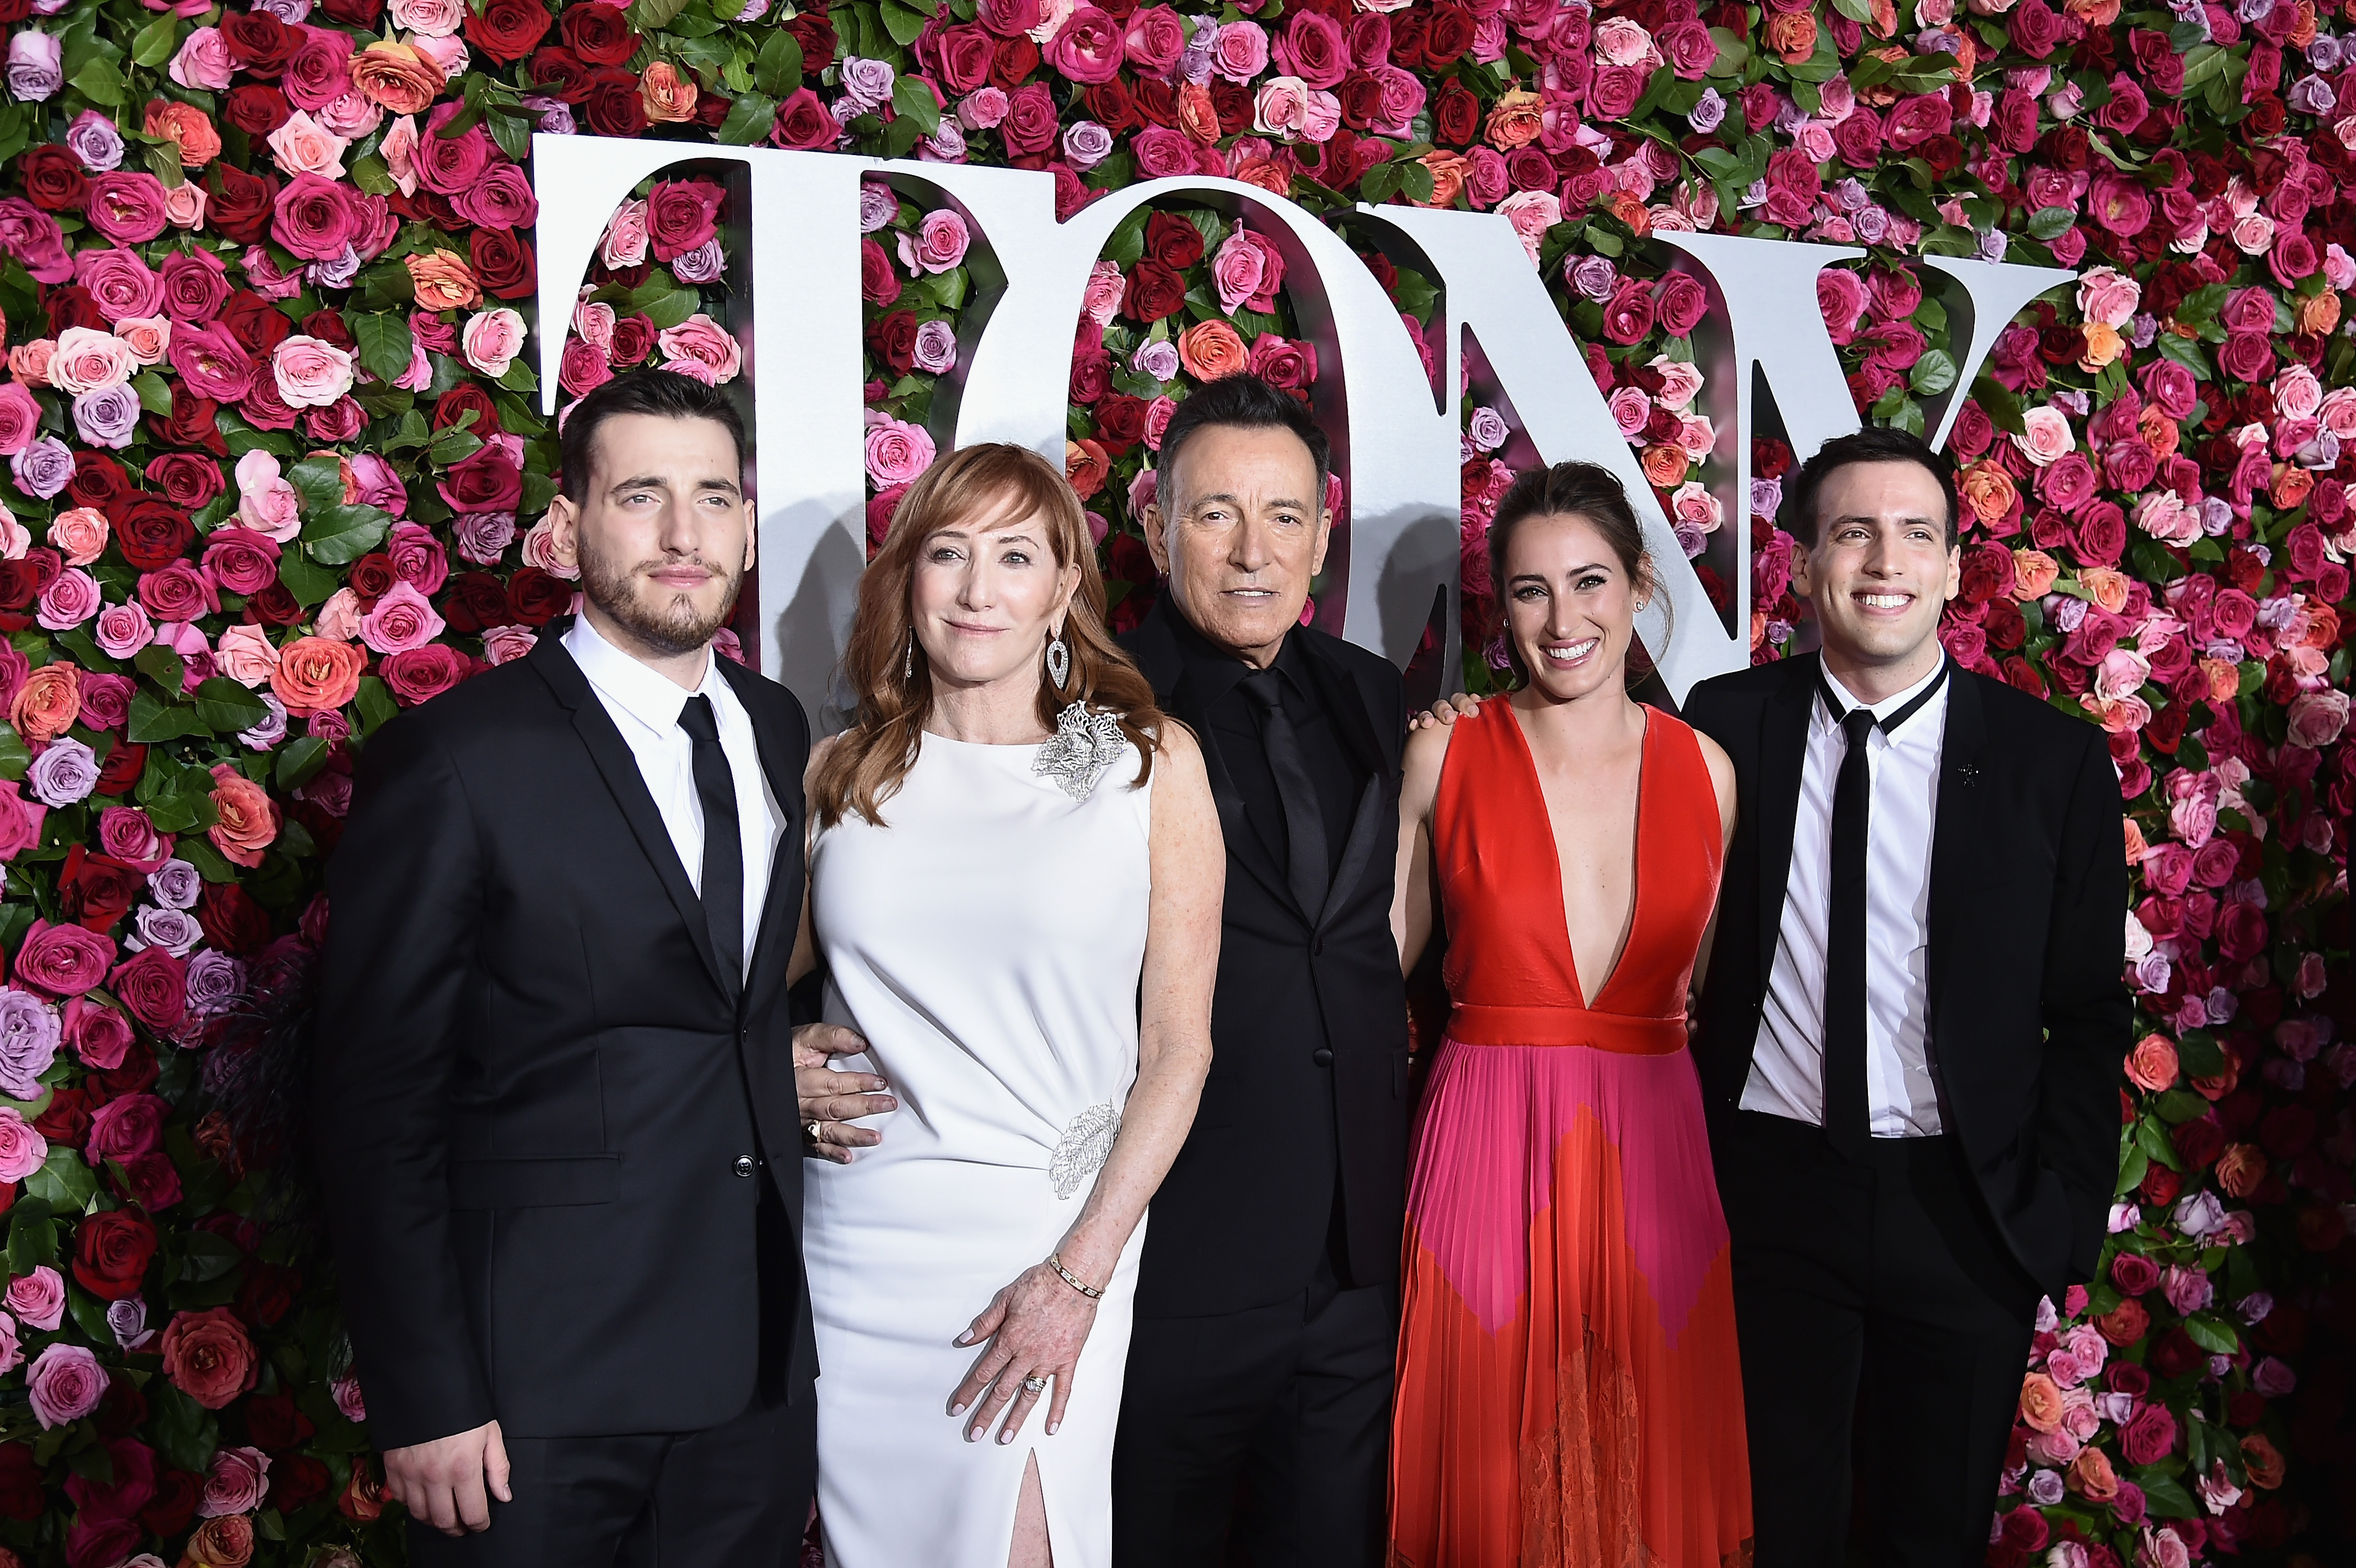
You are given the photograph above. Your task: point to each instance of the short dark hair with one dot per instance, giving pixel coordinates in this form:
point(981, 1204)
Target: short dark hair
point(1243, 401)
point(1874, 444)
point(664, 392)
point(1584, 490)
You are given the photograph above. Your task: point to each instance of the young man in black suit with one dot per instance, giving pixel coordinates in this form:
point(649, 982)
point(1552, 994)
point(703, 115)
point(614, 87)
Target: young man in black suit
point(556, 1103)
point(1266, 1311)
point(1910, 1030)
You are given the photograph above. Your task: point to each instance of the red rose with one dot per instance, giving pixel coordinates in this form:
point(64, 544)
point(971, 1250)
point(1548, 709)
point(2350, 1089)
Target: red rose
point(805, 122)
point(420, 674)
point(184, 479)
point(1154, 291)
point(453, 406)
point(502, 263)
point(208, 1357)
point(892, 336)
point(273, 1425)
point(297, 1479)
point(1172, 240)
point(255, 323)
point(53, 178)
point(259, 41)
point(1449, 37)
point(232, 921)
point(155, 986)
point(964, 53)
point(257, 109)
point(488, 481)
point(121, 768)
point(176, 1495)
point(539, 597)
point(2148, 1436)
point(682, 214)
point(633, 337)
point(816, 36)
point(98, 481)
point(1030, 124)
point(2036, 29)
point(506, 29)
point(191, 423)
point(1628, 314)
point(1680, 304)
point(111, 1251)
point(1012, 66)
point(878, 283)
point(613, 105)
point(600, 33)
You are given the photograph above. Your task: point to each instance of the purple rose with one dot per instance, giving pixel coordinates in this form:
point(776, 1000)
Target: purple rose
point(127, 1319)
point(93, 139)
point(215, 981)
point(1087, 144)
point(29, 1033)
point(36, 65)
point(65, 773)
point(66, 1384)
point(867, 83)
point(174, 931)
point(705, 263)
point(936, 347)
point(1592, 277)
point(484, 536)
point(175, 885)
point(107, 417)
point(43, 468)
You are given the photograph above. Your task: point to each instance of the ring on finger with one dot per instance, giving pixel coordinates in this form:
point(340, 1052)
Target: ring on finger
point(1034, 1385)
point(811, 1128)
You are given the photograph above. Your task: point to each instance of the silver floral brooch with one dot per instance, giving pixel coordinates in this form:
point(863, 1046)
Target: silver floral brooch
point(1085, 1146)
point(1086, 742)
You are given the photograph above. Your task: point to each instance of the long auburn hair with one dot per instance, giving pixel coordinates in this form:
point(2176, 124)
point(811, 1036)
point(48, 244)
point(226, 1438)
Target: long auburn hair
point(867, 761)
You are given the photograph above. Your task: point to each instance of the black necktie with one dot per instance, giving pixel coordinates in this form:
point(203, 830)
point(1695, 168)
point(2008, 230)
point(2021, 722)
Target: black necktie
point(1304, 830)
point(724, 853)
point(1846, 1126)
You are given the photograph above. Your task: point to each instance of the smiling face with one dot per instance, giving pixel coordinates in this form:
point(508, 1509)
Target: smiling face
point(986, 594)
point(662, 533)
point(1570, 605)
point(1880, 573)
point(1241, 532)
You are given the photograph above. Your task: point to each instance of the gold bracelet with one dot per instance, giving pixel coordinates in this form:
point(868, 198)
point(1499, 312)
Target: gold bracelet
point(1056, 1262)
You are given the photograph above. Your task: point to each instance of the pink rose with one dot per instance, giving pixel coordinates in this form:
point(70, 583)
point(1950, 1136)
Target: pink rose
point(2106, 296)
point(23, 1151)
point(1156, 38)
point(204, 63)
point(211, 362)
point(492, 339)
point(1246, 269)
point(505, 644)
point(315, 218)
point(247, 655)
point(310, 371)
point(126, 206)
point(241, 560)
point(123, 629)
point(87, 361)
point(939, 243)
point(302, 146)
point(71, 599)
point(119, 282)
point(403, 618)
point(1088, 48)
point(702, 347)
point(1280, 108)
point(235, 1483)
point(1240, 52)
point(625, 244)
point(149, 337)
point(66, 1383)
point(21, 821)
point(2317, 718)
point(2045, 434)
point(63, 961)
point(20, 419)
point(1632, 411)
point(897, 452)
point(128, 834)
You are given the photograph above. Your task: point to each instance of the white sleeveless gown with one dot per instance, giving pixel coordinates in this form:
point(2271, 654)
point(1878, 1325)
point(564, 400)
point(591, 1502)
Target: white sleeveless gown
point(987, 941)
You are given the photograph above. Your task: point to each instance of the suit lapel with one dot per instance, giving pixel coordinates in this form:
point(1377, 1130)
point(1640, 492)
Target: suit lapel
point(1955, 839)
point(1348, 711)
point(619, 768)
point(1782, 753)
point(781, 908)
point(1234, 820)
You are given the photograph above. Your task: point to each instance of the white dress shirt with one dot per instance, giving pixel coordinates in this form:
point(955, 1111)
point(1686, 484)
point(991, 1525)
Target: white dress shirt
point(644, 707)
point(1788, 1062)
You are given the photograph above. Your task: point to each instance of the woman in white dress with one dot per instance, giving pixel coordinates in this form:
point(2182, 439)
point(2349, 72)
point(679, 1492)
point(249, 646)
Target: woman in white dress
point(1015, 882)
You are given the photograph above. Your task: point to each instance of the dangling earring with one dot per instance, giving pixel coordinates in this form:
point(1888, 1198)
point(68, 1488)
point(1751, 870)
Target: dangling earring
point(908, 660)
point(1059, 662)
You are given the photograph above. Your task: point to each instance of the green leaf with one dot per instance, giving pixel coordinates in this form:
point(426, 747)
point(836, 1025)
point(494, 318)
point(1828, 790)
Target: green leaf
point(209, 861)
point(673, 307)
point(650, 16)
point(15, 758)
point(227, 708)
point(2051, 223)
point(151, 720)
point(778, 70)
point(101, 82)
point(2166, 1497)
point(32, 1238)
point(904, 21)
point(1860, 11)
point(375, 702)
point(384, 348)
point(310, 585)
point(513, 135)
point(298, 760)
point(63, 1182)
point(455, 444)
point(185, 1432)
point(161, 665)
point(153, 43)
point(1733, 53)
point(2199, 1054)
point(155, 394)
point(318, 480)
point(338, 535)
point(2152, 1139)
point(1415, 180)
point(371, 175)
point(913, 99)
point(1933, 373)
point(2211, 1333)
point(518, 377)
point(749, 119)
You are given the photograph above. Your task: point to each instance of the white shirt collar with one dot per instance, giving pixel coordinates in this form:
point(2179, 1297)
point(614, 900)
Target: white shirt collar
point(652, 699)
point(1889, 704)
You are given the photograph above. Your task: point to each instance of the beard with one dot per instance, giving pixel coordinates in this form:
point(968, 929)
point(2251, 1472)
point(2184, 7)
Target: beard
point(667, 622)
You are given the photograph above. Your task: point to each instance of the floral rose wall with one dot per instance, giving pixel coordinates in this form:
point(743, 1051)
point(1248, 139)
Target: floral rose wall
point(275, 472)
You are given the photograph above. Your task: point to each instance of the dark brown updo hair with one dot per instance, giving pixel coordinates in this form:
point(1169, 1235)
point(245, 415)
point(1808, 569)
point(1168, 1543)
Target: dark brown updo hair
point(1588, 490)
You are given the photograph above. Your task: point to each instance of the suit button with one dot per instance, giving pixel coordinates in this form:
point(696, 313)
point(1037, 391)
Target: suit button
point(1322, 1056)
point(744, 1166)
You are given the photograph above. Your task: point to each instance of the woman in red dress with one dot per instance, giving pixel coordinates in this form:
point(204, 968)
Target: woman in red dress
point(1570, 1395)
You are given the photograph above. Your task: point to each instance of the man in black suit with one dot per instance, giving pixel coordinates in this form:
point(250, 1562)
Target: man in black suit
point(1266, 1311)
point(556, 1107)
point(1910, 1030)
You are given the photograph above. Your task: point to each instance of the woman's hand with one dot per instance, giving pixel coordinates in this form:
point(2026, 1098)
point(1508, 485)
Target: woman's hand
point(1445, 712)
point(1035, 1328)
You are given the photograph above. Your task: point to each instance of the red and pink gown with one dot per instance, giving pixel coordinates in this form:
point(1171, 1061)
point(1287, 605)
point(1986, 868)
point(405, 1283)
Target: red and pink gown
point(1569, 1393)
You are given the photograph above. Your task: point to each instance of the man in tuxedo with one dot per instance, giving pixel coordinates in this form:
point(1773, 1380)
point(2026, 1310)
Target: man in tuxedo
point(556, 1105)
point(1266, 1309)
point(1910, 1030)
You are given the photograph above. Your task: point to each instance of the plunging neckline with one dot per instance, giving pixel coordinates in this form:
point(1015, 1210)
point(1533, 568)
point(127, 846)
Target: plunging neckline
point(1554, 845)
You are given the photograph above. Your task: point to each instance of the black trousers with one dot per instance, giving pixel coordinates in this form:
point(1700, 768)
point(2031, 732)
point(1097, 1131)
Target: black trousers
point(1284, 1411)
point(737, 1494)
point(1878, 1292)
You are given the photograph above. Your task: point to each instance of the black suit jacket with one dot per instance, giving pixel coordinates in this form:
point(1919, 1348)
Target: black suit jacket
point(534, 1082)
point(2029, 1011)
point(1247, 1208)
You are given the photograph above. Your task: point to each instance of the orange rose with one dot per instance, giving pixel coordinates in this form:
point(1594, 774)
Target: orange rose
point(442, 282)
point(1211, 350)
point(403, 80)
point(248, 817)
point(1514, 123)
point(2159, 432)
point(2040, 1403)
point(2033, 573)
point(2318, 313)
point(2125, 1324)
point(1267, 174)
point(1197, 114)
point(1447, 177)
point(1986, 488)
point(1792, 35)
point(363, 1497)
point(1631, 211)
point(2151, 1066)
point(669, 98)
point(2090, 1474)
point(2109, 587)
point(2222, 1084)
point(188, 126)
point(1084, 467)
point(2103, 344)
point(2263, 1461)
point(48, 704)
point(2302, 27)
point(2132, 834)
point(226, 1541)
point(317, 673)
point(2322, 625)
point(1665, 466)
point(2096, 14)
point(2291, 486)
point(2241, 1169)
point(2224, 678)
